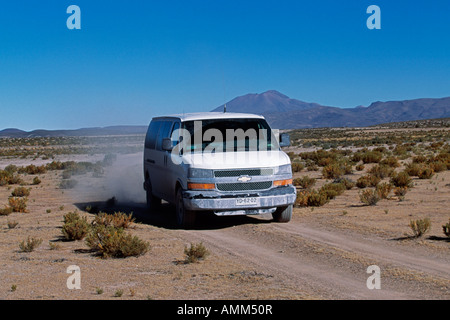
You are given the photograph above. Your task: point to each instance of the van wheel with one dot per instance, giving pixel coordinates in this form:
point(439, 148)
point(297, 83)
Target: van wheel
point(185, 218)
point(152, 201)
point(283, 214)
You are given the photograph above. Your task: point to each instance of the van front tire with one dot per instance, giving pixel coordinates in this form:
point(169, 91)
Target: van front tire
point(283, 214)
point(185, 218)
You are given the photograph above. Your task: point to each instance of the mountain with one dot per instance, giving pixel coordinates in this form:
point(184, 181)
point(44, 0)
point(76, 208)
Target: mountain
point(84, 132)
point(268, 102)
point(283, 112)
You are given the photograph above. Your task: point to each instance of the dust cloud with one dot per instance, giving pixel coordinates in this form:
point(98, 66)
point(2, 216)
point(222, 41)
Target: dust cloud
point(122, 179)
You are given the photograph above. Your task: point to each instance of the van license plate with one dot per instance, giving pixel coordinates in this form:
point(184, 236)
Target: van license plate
point(247, 201)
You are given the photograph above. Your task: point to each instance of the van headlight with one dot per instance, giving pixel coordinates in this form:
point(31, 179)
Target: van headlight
point(200, 173)
point(284, 169)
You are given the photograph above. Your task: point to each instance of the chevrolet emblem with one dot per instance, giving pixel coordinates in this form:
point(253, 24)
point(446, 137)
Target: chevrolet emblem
point(244, 179)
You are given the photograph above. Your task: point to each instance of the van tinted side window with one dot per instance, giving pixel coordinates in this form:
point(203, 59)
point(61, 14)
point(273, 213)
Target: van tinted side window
point(152, 133)
point(175, 135)
point(163, 133)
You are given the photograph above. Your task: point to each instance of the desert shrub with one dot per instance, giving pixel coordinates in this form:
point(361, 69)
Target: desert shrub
point(400, 191)
point(360, 167)
point(68, 184)
point(381, 171)
point(297, 167)
point(6, 211)
point(401, 179)
point(346, 167)
point(75, 227)
point(413, 169)
point(390, 162)
point(54, 165)
point(112, 242)
point(11, 168)
point(71, 216)
point(323, 162)
point(400, 150)
point(438, 166)
point(30, 244)
point(32, 169)
point(332, 171)
point(380, 149)
point(195, 252)
point(446, 229)
point(311, 198)
point(304, 182)
point(367, 181)
point(371, 157)
point(36, 181)
point(302, 198)
point(72, 168)
point(15, 179)
point(18, 204)
point(436, 145)
point(348, 184)
point(369, 197)
point(53, 246)
point(383, 190)
point(332, 190)
point(117, 220)
point(317, 156)
point(7, 177)
point(356, 157)
point(420, 227)
point(419, 159)
point(426, 172)
point(4, 177)
point(20, 192)
point(443, 157)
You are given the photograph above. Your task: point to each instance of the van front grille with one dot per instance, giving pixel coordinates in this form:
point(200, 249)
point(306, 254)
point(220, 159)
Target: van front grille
point(243, 172)
point(261, 185)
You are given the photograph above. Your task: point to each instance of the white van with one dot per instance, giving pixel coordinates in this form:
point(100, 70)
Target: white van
point(225, 163)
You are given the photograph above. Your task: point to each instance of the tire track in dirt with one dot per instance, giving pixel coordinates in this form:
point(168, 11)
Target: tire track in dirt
point(324, 279)
point(372, 248)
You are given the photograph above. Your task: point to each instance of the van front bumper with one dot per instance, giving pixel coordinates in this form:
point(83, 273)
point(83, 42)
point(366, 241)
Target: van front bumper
point(251, 202)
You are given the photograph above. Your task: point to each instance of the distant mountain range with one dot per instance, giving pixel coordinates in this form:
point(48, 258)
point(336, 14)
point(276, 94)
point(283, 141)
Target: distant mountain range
point(283, 112)
point(84, 132)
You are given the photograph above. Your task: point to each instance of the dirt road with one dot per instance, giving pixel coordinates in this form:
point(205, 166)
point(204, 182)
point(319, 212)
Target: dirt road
point(330, 264)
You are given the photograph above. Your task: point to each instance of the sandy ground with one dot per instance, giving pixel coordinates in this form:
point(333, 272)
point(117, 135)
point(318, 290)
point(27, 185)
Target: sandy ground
point(323, 253)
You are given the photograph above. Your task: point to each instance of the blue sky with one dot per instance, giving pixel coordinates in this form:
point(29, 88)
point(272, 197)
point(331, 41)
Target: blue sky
point(133, 60)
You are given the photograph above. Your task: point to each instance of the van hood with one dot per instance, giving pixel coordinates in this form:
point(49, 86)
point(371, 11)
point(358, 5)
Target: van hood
point(234, 160)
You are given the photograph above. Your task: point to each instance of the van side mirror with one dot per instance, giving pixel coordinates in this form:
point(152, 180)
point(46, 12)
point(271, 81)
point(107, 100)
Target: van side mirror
point(285, 140)
point(167, 144)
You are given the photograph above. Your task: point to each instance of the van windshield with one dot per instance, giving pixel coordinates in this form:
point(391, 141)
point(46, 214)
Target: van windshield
point(228, 135)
